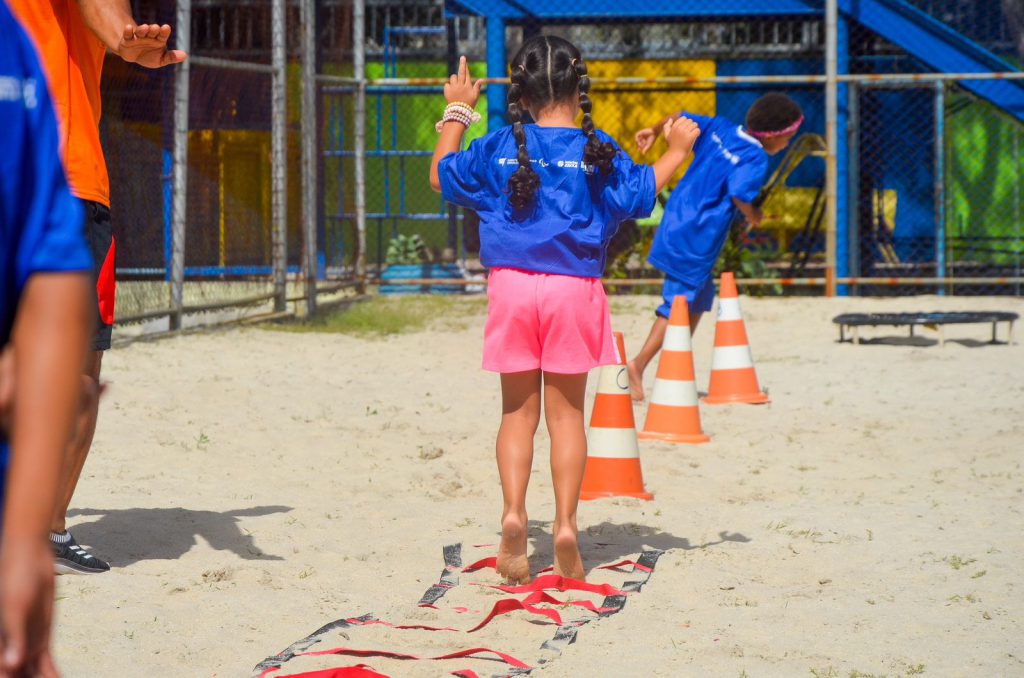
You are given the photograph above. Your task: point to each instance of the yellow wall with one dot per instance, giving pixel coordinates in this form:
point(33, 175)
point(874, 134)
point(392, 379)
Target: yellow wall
point(621, 113)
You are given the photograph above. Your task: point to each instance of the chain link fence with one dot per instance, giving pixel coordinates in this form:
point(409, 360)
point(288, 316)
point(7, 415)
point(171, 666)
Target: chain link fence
point(282, 203)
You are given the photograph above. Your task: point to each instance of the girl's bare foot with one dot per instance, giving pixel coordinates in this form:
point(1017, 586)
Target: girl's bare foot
point(512, 563)
point(568, 563)
point(636, 381)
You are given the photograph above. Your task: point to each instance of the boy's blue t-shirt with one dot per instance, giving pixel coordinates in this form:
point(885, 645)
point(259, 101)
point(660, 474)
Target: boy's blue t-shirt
point(577, 210)
point(40, 221)
point(727, 163)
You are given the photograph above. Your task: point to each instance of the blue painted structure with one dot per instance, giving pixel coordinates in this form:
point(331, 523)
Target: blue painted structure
point(928, 40)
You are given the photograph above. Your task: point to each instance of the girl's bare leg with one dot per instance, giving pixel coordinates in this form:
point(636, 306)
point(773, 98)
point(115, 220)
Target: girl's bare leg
point(635, 367)
point(563, 410)
point(520, 415)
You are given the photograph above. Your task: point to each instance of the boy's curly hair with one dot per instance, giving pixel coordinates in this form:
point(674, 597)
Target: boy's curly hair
point(772, 112)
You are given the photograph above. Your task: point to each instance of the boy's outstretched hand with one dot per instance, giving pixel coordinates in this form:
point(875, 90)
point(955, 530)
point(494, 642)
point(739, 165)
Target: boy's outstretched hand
point(146, 45)
point(645, 138)
point(461, 88)
point(681, 134)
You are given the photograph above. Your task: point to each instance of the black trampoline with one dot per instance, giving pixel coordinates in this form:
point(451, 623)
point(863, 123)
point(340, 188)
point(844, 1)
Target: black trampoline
point(935, 321)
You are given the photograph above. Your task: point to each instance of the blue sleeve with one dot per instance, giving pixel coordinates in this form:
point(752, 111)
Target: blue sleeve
point(630, 191)
point(53, 239)
point(746, 179)
point(464, 176)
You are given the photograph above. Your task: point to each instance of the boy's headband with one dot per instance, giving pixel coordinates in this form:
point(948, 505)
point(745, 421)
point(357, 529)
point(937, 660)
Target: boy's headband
point(780, 133)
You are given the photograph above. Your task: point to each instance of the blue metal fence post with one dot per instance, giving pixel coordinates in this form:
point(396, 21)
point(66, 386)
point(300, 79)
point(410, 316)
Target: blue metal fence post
point(497, 67)
point(843, 231)
point(940, 184)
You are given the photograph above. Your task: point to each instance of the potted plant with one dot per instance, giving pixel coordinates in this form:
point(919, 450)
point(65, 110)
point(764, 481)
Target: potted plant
point(408, 259)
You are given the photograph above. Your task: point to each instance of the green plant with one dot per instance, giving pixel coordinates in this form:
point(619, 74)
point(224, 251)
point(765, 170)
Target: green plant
point(407, 250)
point(747, 261)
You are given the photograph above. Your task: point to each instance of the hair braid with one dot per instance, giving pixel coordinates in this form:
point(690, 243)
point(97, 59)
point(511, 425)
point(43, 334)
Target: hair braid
point(595, 153)
point(523, 184)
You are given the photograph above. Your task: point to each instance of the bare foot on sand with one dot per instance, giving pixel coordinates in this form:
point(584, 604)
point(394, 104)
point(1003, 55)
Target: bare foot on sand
point(636, 382)
point(567, 555)
point(512, 563)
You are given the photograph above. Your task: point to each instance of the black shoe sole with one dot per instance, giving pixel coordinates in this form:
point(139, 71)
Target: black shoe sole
point(64, 566)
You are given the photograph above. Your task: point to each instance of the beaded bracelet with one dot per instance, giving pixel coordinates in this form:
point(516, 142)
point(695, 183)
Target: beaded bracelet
point(458, 112)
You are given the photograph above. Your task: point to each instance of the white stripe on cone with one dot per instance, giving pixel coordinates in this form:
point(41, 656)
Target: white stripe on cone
point(732, 358)
point(677, 338)
point(613, 380)
point(729, 309)
point(674, 393)
point(612, 443)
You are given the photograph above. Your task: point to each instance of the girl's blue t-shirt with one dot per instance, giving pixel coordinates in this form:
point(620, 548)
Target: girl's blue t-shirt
point(727, 163)
point(578, 208)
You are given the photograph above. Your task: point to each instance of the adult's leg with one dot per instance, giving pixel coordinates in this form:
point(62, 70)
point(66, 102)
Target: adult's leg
point(69, 557)
point(520, 415)
point(78, 450)
point(563, 410)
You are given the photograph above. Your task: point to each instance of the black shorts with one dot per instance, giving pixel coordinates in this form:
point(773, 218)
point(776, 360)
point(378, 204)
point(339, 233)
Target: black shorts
point(100, 237)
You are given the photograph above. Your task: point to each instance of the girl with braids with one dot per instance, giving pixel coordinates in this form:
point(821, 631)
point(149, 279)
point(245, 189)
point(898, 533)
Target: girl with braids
point(550, 195)
point(729, 165)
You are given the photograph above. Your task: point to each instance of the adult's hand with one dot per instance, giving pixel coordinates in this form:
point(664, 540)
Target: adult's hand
point(146, 45)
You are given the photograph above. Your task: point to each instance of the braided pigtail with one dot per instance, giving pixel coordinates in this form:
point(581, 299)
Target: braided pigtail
point(523, 184)
point(595, 153)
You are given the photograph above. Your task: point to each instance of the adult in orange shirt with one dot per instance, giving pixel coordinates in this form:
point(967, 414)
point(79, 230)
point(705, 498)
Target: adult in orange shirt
point(72, 38)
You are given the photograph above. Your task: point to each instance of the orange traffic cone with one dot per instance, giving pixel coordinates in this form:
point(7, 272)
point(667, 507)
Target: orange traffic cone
point(733, 379)
point(613, 455)
point(674, 414)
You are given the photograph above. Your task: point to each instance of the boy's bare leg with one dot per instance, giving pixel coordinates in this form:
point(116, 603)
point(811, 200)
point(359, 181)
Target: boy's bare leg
point(520, 404)
point(563, 410)
point(637, 365)
point(78, 449)
point(655, 339)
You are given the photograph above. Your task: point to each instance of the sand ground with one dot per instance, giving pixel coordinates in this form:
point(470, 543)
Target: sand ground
point(249, 486)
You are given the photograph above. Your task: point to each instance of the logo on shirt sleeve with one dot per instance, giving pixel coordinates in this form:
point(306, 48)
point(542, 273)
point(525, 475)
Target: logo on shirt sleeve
point(17, 90)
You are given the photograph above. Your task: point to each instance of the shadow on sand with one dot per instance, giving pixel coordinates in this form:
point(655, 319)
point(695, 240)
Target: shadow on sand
point(608, 542)
point(127, 536)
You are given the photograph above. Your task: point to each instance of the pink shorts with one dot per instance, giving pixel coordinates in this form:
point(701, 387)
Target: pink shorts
point(554, 323)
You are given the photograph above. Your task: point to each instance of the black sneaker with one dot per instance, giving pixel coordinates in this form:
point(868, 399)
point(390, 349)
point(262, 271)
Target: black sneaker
point(70, 558)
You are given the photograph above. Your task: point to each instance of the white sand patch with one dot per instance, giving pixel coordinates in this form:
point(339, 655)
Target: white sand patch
point(249, 486)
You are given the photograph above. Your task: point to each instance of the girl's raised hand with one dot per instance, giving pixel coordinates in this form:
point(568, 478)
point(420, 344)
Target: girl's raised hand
point(461, 88)
point(681, 134)
point(645, 139)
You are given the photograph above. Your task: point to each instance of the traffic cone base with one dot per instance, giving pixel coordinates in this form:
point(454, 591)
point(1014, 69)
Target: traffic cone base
point(627, 474)
point(662, 420)
point(613, 454)
point(752, 399)
point(674, 412)
point(691, 439)
point(733, 378)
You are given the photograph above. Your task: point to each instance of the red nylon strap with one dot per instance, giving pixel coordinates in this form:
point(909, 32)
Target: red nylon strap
point(465, 673)
point(508, 659)
point(622, 564)
point(357, 671)
point(541, 597)
point(491, 563)
point(511, 605)
point(558, 583)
